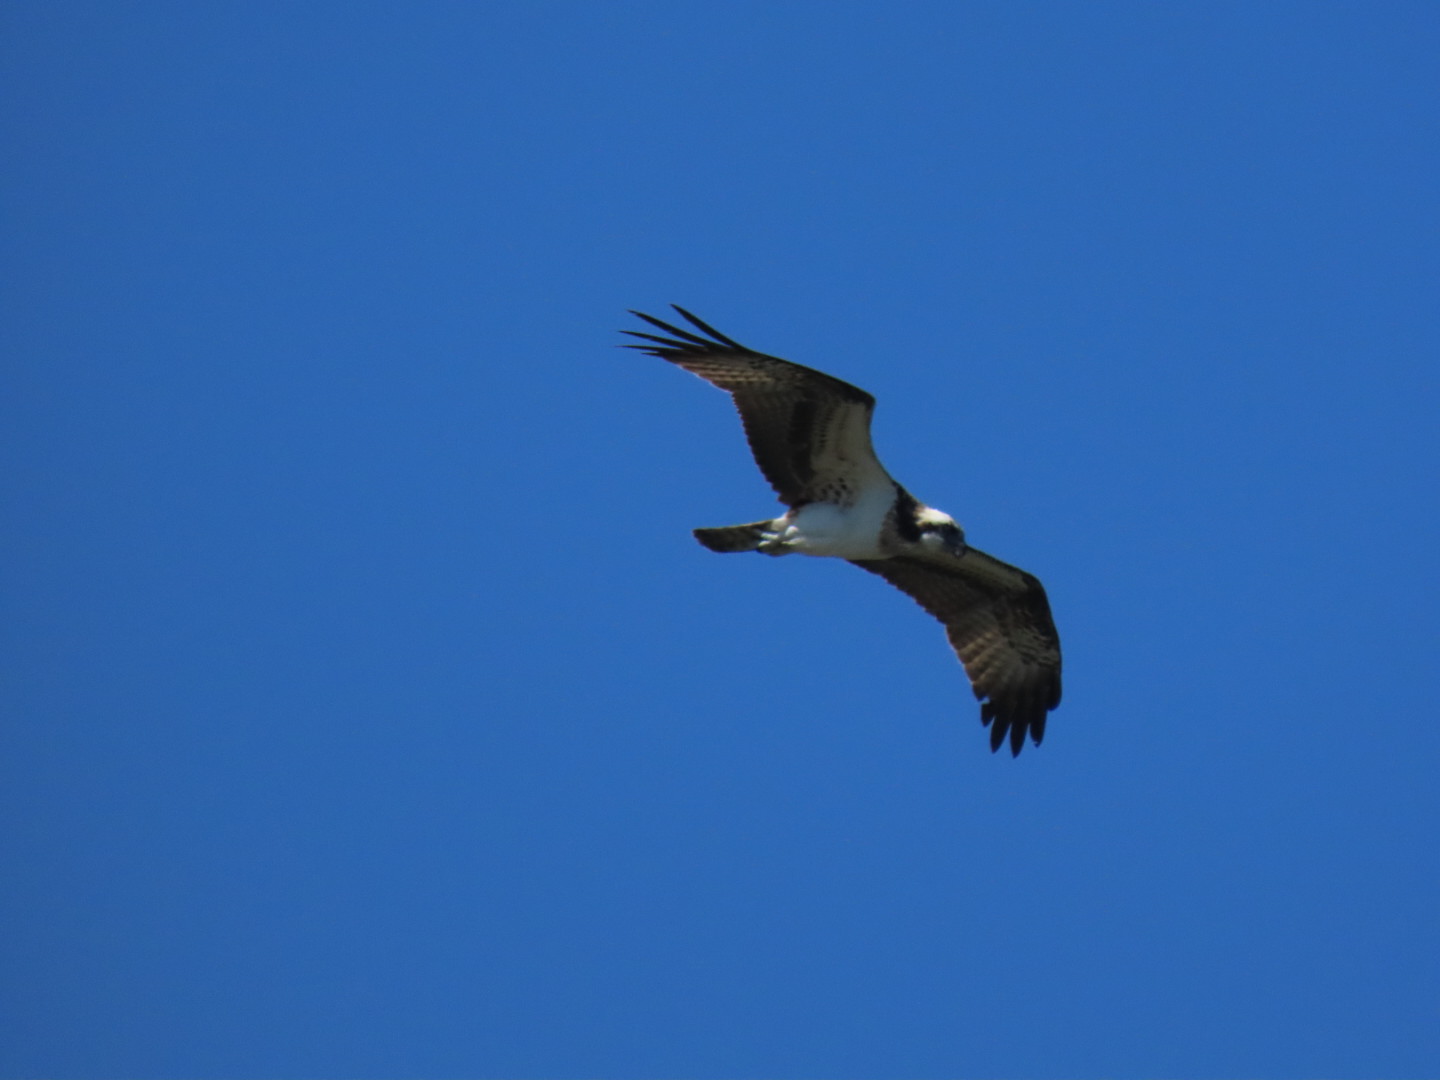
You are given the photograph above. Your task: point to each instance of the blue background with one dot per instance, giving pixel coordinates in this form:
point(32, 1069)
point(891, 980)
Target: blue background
point(370, 711)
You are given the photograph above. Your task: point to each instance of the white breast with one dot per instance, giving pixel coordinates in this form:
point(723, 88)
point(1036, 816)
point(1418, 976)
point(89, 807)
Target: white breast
point(828, 530)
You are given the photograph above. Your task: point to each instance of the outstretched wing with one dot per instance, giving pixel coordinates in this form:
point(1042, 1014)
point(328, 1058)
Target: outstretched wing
point(998, 621)
point(809, 432)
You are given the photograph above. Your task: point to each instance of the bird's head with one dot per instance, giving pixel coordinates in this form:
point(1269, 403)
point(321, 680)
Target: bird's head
point(941, 532)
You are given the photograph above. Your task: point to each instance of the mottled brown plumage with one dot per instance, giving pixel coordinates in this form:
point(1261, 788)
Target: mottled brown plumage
point(807, 430)
point(998, 621)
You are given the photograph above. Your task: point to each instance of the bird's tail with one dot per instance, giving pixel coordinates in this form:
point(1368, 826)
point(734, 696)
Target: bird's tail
point(734, 537)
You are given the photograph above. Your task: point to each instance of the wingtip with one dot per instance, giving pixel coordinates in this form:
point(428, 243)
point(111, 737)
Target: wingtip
point(1016, 744)
point(705, 328)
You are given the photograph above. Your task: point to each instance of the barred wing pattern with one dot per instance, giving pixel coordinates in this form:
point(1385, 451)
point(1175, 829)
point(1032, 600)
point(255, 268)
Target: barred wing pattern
point(809, 432)
point(998, 621)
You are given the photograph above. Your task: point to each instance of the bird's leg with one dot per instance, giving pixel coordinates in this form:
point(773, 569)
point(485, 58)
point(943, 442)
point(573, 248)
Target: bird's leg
point(775, 542)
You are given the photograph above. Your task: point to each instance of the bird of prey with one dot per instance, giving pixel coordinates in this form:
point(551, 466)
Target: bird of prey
point(810, 434)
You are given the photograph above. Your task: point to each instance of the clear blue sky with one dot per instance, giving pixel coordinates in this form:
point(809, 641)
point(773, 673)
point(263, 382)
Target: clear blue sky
point(369, 710)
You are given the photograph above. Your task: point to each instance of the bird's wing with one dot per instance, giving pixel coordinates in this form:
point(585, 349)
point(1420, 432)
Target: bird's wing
point(809, 432)
point(998, 621)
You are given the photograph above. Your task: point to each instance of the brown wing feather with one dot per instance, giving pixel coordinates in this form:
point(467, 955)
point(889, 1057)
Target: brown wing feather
point(790, 412)
point(998, 621)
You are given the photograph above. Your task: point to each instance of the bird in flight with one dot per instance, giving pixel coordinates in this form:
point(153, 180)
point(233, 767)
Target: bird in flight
point(810, 434)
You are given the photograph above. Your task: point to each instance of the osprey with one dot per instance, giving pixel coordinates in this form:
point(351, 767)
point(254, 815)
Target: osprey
point(810, 434)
